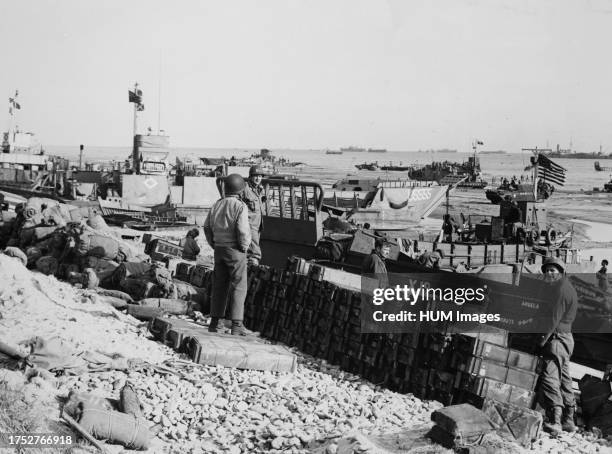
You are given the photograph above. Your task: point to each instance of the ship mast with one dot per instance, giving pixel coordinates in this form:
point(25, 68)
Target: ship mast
point(135, 97)
point(12, 126)
point(536, 151)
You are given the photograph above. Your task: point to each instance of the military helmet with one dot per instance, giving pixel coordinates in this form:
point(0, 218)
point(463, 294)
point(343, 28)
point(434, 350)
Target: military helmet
point(233, 184)
point(257, 170)
point(555, 262)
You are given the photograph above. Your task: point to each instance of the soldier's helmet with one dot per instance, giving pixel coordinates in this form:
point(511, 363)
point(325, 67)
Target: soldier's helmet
point(257, 170)
point(555, 262)
point(233, 184)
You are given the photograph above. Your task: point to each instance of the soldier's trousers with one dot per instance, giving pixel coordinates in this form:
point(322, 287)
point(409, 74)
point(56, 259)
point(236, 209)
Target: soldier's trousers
point(229, 283)
point(254, 252)
point(555, 379)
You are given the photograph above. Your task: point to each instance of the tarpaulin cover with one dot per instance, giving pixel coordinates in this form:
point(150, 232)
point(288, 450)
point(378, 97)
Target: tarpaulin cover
point(145, 190)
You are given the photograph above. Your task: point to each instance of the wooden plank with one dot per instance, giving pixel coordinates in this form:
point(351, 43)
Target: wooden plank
point(292, 201)
point(577, 371)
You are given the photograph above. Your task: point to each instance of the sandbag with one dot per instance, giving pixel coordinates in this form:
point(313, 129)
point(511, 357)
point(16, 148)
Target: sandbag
point(26, 236)
point(169, 305)
point(103, 268)
point(37, 203)
point(17, 253)
point(42, 232)
point(47, 265)
point(115, 427)
point(117, 303)
point(115, 294)
point(90, 278)
point(8, 216)
point(77, 214)
point(144, 313)
point(96, 221)
point(162, 278)
point(98, 246)
point(138, 288)
point(33, 254)
point(128, 401)
point(67, 269)
point(129, 269)
point(188, 292)
point(54, 215)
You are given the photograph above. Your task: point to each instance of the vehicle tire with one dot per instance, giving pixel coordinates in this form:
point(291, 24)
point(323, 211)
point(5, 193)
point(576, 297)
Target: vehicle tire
point(550, 236)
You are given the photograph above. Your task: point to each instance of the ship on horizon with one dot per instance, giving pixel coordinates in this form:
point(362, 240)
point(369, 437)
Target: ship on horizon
point(353, 149)
point(571, 154)
point(377, 150)
point(441, 150)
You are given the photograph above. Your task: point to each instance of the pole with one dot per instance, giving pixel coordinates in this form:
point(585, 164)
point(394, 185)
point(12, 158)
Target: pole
point(135, 157)
point(81, 157)
point(159, 95)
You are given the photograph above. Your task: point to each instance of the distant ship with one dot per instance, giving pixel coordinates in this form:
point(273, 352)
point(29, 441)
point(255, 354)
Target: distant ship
point(377, 150)
point(441, 150)
point(493, 152)
point(569, 154)
point(353, 149)
point(333, 152)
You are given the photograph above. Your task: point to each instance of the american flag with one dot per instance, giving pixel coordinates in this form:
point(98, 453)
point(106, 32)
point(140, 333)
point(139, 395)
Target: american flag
point(550, 171)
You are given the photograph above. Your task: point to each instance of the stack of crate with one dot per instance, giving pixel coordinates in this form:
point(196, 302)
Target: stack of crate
point(323, 320)
point(486, 368)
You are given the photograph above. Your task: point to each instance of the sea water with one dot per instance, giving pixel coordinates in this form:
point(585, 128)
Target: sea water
point(326, 169)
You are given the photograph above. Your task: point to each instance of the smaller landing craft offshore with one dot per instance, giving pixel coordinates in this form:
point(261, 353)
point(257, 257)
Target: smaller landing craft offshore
point(546, 173)
point(446, 172)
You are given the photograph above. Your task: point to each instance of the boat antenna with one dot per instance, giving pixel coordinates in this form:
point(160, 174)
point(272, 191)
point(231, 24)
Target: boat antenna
point(159, 94)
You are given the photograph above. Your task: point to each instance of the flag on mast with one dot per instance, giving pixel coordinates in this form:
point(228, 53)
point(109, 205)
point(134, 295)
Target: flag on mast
point(136, 98)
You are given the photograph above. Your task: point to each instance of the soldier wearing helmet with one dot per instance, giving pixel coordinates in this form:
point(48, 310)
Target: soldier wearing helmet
point(254, 197)
point(228, 233)
point(556, 394)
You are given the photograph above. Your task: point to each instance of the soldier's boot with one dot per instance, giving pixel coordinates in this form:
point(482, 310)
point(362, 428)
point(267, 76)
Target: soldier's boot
point(238, 328)
point(567, 420)
point(553, 424)
point(214, 324)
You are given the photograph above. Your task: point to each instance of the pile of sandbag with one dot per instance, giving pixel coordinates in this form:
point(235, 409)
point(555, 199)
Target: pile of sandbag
point(76, 245)
point(63, 240)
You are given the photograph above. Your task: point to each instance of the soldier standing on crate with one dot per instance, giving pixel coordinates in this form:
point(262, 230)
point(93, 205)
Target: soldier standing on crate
point(556, 393)
point(254, 197)
point(228, 233)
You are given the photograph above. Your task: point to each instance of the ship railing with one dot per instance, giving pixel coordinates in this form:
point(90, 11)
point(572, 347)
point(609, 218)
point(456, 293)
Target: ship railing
point(406, 183)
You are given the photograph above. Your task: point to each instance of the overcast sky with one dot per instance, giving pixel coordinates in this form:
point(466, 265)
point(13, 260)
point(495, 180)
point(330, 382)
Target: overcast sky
point(399, 74)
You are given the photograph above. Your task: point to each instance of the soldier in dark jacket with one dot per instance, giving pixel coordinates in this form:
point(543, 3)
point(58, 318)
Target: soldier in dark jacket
point(375, 262)
point(190, 245)
point(556, 393)
point(602, 276)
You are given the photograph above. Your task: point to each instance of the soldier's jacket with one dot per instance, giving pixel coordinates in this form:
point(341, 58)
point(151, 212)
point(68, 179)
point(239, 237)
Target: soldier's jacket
point(252, 196)
point(227, 224)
